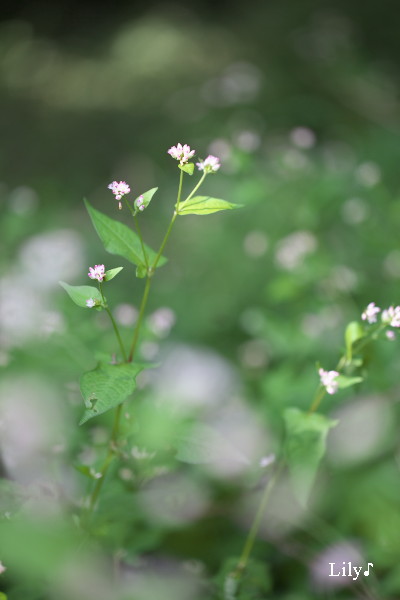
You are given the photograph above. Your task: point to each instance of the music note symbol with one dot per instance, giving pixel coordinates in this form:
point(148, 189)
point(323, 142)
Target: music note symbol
point(366, 573)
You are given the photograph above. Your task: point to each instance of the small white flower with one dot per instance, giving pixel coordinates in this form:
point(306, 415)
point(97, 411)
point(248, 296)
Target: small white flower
point(210, 165)
point(328, 380)
point(2, 568)
point(97, 272)
point(181, 153)
point(390, 335)
point(90, 303)
point(370, 313)
point(140, 203)
point(391, 316)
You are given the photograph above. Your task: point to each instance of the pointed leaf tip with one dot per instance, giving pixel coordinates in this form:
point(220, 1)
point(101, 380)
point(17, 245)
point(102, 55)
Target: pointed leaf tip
point(205, 205)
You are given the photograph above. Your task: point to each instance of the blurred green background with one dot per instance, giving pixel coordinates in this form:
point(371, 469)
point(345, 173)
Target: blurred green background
point(300, 100)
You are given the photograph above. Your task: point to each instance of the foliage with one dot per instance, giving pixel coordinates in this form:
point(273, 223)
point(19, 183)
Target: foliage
point(306, 122)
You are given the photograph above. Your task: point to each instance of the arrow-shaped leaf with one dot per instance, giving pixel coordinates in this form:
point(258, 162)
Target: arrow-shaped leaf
point(119, 239)
point(304, 448)
point(80, 293)
point(205, 205)
point(107, 386)
point(111, 273)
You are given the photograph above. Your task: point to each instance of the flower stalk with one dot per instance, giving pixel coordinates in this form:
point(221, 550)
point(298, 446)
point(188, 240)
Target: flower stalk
point(183, 154)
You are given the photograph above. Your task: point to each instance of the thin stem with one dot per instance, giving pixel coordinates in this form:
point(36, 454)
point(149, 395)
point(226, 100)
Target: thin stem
point(178, 200)
point(146, 260)
point(194, 190)
point(150, 271)
point(320, 393)
point(177, 204)
point(251, 537)
point(115, 326)
point(179, 191)
point(109, 458)
point(140, 318)
point(159, 253)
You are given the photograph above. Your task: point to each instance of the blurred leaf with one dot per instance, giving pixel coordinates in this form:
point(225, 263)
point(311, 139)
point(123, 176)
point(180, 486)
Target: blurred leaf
point(188, 168)
point(304, 447)
point(205, 205)
point(112, 273)
point(3, 596)
point(36, 548)
point(354, 332)
point(345, 382)
point(80, 293)
point(120, 239)
point(107, 386)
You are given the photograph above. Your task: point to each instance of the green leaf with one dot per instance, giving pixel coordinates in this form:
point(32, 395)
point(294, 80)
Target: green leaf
point(120, 239)
point(141, 271)
point(112, 273)
point(80, 293)
point(354, 332)
point(146, 197)
point(345, 382)
point(304, 447)
point(205, 205)
point(107, 386)
point(3, 596)
point(187, 168)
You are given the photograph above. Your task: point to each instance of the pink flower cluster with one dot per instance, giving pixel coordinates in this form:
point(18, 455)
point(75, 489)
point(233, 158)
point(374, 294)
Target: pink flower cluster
point(181, 153)
point(370, 313)
point(97, 272)
point(329, 380)
point(119, 189)
point(389, 316)
point(210, 165)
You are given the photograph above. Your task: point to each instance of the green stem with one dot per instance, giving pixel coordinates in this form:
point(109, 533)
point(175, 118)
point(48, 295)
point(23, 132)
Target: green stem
point(251, 537)
point(177, 204)
point(178, 199)
point(194, 190)
point(115, 326)
point(319, 394)
point(140, 319)
point(146, 260)
point(159, 253)
point(109, 458)
point(115, 431)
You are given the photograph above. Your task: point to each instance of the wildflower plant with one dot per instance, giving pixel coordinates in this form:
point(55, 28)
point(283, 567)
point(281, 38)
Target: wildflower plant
point(110, 384)
point(306, 431)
